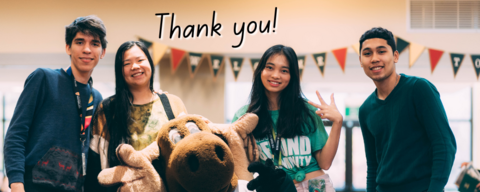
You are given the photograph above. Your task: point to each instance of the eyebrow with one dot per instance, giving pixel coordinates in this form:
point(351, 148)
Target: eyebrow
point(379, 47)
point(82, 39)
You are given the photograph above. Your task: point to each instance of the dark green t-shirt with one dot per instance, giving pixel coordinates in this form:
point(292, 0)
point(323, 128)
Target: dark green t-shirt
point(296, 153)
point(408, 142)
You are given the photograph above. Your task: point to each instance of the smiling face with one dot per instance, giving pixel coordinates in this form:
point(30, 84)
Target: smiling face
point(377, 59)
point(85, 52)
point(276, 74)
point(136, 68)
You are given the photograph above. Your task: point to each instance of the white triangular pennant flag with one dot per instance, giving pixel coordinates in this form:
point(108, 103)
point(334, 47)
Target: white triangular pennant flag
point(415, 51)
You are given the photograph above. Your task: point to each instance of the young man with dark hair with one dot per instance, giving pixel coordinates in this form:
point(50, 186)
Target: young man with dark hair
point(408, 142)
point(47, 141)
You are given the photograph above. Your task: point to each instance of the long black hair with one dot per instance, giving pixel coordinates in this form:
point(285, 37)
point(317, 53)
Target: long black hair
point(294, 113)
point(120, 106)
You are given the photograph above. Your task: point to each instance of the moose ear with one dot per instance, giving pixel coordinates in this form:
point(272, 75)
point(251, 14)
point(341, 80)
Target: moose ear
point(246, 124)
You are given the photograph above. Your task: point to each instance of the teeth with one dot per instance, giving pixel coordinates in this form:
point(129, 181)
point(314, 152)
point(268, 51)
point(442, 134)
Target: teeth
point(376, 68)
point(275, 83)
point(136, 74)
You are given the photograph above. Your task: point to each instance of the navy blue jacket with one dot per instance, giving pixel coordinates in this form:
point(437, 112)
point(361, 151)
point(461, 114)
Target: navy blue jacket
point(46, 115)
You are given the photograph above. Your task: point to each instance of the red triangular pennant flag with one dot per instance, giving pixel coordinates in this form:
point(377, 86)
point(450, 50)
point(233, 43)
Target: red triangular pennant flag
point(341, 56)
point(176, 57)
point(435, 56)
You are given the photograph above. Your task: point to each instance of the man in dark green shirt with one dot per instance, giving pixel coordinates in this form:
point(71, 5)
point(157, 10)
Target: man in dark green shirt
point(408, 142)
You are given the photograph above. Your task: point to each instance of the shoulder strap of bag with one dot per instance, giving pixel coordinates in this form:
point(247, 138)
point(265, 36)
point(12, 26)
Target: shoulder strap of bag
point(166, 106)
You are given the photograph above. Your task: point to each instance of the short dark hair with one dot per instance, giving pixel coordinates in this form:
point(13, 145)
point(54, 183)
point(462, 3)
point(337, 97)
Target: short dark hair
point(91, 25)
point(378, 32)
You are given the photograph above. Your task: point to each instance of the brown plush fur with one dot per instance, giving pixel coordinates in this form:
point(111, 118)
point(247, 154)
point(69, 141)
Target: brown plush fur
point(137, 173)
point(199, 162)
point(238, 139)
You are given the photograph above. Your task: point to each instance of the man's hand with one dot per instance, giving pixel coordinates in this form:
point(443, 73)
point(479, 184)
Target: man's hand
point(327, 111)
point(17, 187)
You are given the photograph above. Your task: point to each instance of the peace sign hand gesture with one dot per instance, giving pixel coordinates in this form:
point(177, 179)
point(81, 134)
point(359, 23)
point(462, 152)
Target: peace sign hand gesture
point(327, 111)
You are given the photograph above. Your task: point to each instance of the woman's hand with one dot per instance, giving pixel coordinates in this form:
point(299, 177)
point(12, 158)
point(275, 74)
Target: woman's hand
point(327, 111)
point(325, 156)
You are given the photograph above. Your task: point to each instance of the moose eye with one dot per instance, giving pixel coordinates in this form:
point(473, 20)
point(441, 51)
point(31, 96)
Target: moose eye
point(192, 127)
point(176, 137)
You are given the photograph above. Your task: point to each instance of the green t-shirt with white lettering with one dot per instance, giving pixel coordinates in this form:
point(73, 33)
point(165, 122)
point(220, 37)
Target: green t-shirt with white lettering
point(296, 153)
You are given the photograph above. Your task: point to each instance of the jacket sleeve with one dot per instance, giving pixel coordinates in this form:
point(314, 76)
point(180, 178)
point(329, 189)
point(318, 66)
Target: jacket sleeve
point(370, 153)
point(431, 114)
point(93, 169)
point(97, 146)
point(29, 102)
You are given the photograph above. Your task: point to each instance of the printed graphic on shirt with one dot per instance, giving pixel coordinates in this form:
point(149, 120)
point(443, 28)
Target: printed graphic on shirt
point(316, 185)
point(147, 120)
point(296, 151)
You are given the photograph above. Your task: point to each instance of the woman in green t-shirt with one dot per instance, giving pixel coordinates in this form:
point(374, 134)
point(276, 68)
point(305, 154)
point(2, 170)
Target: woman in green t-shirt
point(290, 131)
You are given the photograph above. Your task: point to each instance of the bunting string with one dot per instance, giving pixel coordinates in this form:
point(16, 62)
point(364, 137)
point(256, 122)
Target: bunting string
point(217, 61)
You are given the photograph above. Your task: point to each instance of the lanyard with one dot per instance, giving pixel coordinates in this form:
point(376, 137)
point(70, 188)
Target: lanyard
point(84, 120)
point(275, 146)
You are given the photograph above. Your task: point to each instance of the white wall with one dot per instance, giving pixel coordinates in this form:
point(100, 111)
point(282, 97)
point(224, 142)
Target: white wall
point(308, 25)
point(476, 124)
